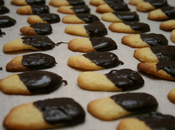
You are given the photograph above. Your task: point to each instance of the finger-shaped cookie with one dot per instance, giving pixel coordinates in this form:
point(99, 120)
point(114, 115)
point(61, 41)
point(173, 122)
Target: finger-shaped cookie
point(129, 27)
point(100, 2)
point(35, 42)
point(144, 40)
point(135, 2)
point(171, 95)
point(117, 106)
point(6, 21)
point(80, 19)
point(31, 82)
point(28, 2)
point(3, 9)
point(173, 36)
point(154, 121)
point(1, 2)
point(45, 114)
point(95, 29)
point(33, 9)
point(92, 44)
point(115, 80)
point(94, 61)
point(168, 25)
point(162, 69)
point(58, 3)
point(155, 53)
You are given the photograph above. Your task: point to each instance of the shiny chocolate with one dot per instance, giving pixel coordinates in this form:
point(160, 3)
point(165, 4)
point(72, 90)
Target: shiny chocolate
point(96, 29)
point(169, 11)
point(126, 79)
point(64, 111)
point(35, 2)
point(76, 2)
point(42, 28)
point(113, 1)
point(3, 9)
point(158, 3)
point(88, 18)
point(104, 59)
point(40, 9)
point(6, 21)
point(136, 102)
point(1, 2)
point(126, 15)
point(50, 17)
point(81, 9)
point(103, 43)
point(119, 6)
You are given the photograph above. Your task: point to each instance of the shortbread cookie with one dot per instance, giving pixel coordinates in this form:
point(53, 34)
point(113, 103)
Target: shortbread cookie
point(168, 25)
point(80, 19)
point(28, 2)
point(94, 61)
point(120, 16)
point(6, 21)
point(135, 2)
point(173, 36)
point(58, 3)
point(35, 42)
point(44, 18)
point(129, 27)
point(95, 29)
point(45, 114)
point(111, 7)
point(3, 9)
point(155, 53)
point(171, 95)
point(31, 82)
point(100, 2)
point(120, 105)
point(37, 29)
point(1, 2)
point(31, 62)
point(83, 9)
point(115, 80)
point(92, 44)
point(162, 69)
point(33, 9)
point(155, 121)
point(144, 40)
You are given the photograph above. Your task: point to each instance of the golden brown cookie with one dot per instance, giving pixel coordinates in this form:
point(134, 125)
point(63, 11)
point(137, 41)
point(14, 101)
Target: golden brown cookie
point(135, 2)
point(100, 2)
point(58, 3)
point(173, 36)
point(28, 2)
point(168, 25)
point(171, 95)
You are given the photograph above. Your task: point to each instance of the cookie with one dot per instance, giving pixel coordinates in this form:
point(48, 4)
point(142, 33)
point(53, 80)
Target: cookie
point(171, 95)
point(135, 2)
point(80, 19)
point(120, 16)
point(45, 114)
point(35, 42)
point(92, 44)
point(6, 21)
point(94, 61)
point(155, 53)
point(100, 2)
point(28, 2)
point(58, 3)
point(33, 9)
point(31, 82)
point(154, 120)
point(95, 29)
point(4, 9)
point(31, 62)
point(37, 29)
point(173, 36)
point(144, 40)
point(83, 9)
point(120, 105)
point(115, 80)
point(162, 69)
point(168, 25)
point(1, 2)
point(129, 27)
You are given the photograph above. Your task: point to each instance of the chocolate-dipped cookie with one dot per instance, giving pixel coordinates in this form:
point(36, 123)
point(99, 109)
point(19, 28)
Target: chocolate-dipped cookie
point(3, 9)
point(28, 2)
point(1, 2)
point(58, 3)
point(6, 21)
point(100, 2)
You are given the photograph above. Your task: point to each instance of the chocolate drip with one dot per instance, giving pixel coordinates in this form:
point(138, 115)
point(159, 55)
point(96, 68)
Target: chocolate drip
point(1, 33)
point(88, 18)
point(154, 39)
point(113, 1)
point(76, 2)
point(3, 9)
point(64, 111)
point(6, 21)
point(126, 15)
point(39, 82)
point(50, 18)
point(42, 28)
point(1, 2)
point(125, 79)
point(103, 43)
point(35, 2)
point(169, 11)
point(81, 9)
point(96, 29)
point(119, 6)
point(39, 42)
point(159, 3)
point(136, 102)
point(40, 9)
point(104, 59)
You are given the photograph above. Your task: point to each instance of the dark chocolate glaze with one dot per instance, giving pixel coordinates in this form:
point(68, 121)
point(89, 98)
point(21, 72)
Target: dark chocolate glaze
point(39, 42)
point(103, 43)
point(1, 33)
point(154, 39)
point(50, 17)
point(126, 15)
point(96, 29)
point(81, 9)
point(169, 11)
point(113, 1)
point(61, 111)
point(88, 18)
point(6, 21)
point(167, 66)
point(3, 9)
point(76, 2)
point(35, 2)
point(104, 59)
point(136, 102)
point(1, 2)
point(126, 79)
point(40, 9)
point(159, 3)
point(119, 6)
point(42, 28)
point(138, 26)
point(39, 82)
point(158, 121)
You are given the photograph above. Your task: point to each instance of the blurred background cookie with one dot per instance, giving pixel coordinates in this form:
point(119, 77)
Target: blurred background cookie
point(171, 95)
point(58, 3)
point(6, 21)
point(4, 9)
point(135, 2)
point(168, 25)
point(28, 2)
point(100, 2)
point(173, 36)
point(1, 2)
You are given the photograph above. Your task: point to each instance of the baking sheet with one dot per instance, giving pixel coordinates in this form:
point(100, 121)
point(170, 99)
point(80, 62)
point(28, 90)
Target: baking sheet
point(159, 88)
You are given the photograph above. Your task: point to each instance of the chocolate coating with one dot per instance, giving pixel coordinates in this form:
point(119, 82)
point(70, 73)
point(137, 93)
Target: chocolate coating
point(76, 2)
point(39, 82)
point(103, 43)
point(104, 59)
point(169, 11)
point(61, 111)
point(35, 2)
point(96, 29)
point(1, 2)
point(3, 9)
point(6, 21)
point(88, 18)
point(50, 17)
point(126, 15)
point(42, 28)
point(113, 1)
point(136, 102)
point(158, 3)
point(39, 42)
point(154, 39)
point(1, 33)
point(126, 79)
point(81, 9)
point(119, 6)
point(40, 9)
